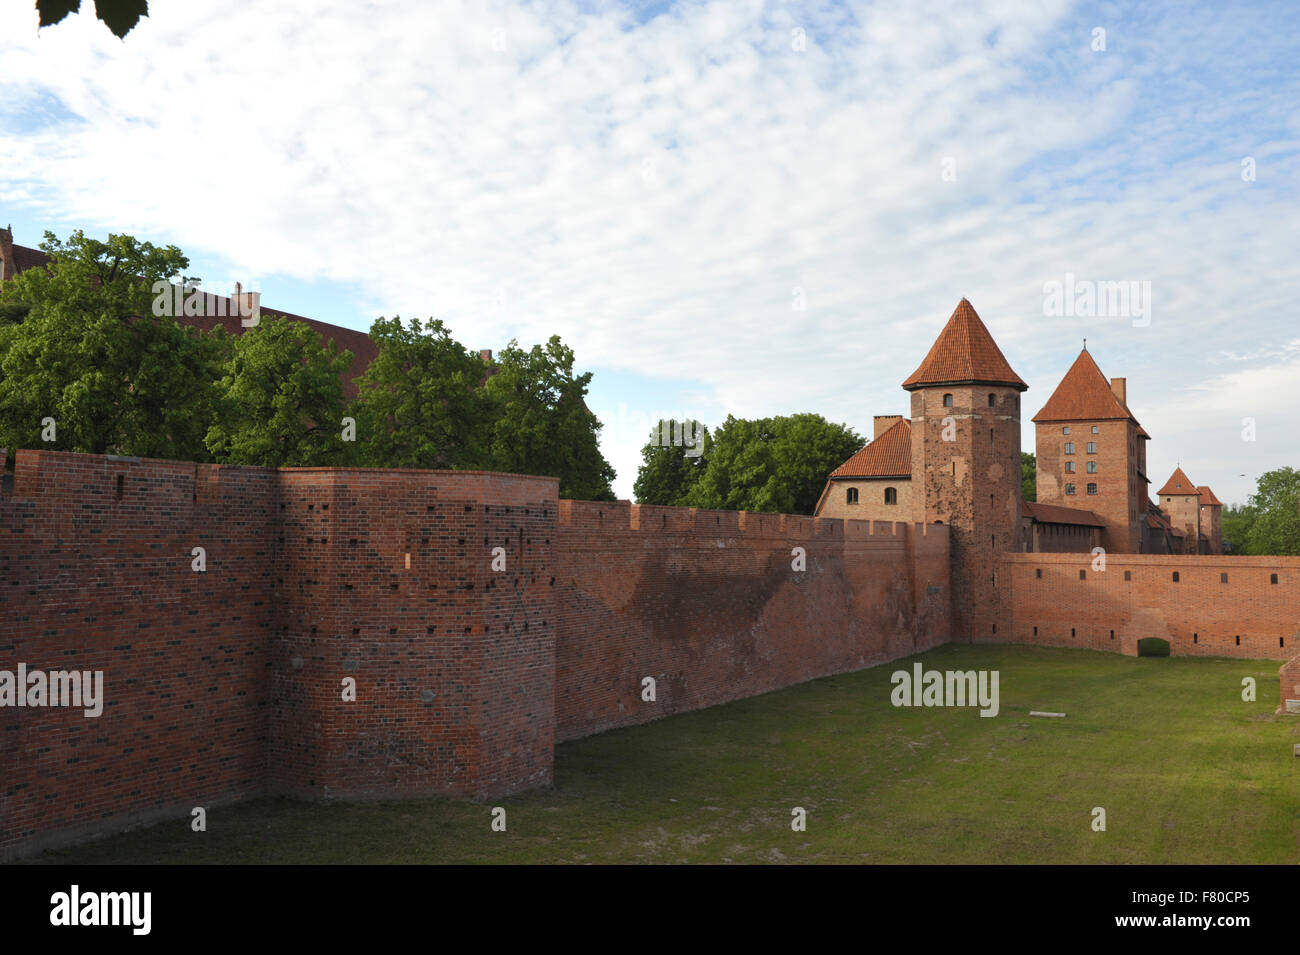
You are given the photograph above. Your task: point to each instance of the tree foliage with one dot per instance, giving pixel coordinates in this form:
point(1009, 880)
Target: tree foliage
point(541, 423)
point(776, 465)
point(421, 403)
point(1275, 529)
point(281, 399)
point(1028, 476)
point(86, 351)
point(667, 472)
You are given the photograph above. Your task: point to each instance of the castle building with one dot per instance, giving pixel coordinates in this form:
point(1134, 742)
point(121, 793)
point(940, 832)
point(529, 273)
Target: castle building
point(964, 466)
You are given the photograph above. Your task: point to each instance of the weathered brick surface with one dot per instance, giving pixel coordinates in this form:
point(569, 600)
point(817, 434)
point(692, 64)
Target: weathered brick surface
point(707, 604)
point(1200, 614)
point(95, 574)
point(224, 684)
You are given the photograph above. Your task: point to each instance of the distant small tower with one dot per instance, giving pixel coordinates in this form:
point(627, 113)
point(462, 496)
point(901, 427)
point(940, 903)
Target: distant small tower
point(966, 463)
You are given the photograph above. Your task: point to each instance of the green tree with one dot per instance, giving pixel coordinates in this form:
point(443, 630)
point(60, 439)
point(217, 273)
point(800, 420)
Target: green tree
point(1029, 476)
point(541, 423)
point(667, 474)
point(1276, 501)
point(281, 402)
point(83, 347)
point(772, 464)
point(1237, 520)
point(421, 403)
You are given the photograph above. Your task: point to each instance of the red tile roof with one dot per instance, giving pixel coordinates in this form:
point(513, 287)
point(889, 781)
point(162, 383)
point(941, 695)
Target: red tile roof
point(964, 353)
point(1179, 483)
point(1142, 433)
point(360, 344)
point(890, 455)
point(1207, 496)
point(1084, 395)
point(1056, 514)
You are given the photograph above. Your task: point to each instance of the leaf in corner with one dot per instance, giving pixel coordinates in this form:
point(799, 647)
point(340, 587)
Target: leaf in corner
point(52, 11)
point(121, 15)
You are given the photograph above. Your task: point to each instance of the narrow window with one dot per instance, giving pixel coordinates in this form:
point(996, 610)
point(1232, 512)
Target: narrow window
point(995, 628)
point(851, 496)
point(1272, 578)
point(1083, 575)
point(1038, 572)
point(1035, 631)
point(1071, 631)
point(891, 495)
point(1069, 467)
point(1175, 576)
point(993, 399)
point(1092, 467)
point(119, 487)
point(1196, 638)
point(1223, 578)
point(1128, 575)
point(1238, 639)
point(947, 401)
point(1112, 634)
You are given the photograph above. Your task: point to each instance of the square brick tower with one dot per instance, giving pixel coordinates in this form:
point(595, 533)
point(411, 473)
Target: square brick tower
point(1180, 499)
point(1091, 454)
point(966, 462)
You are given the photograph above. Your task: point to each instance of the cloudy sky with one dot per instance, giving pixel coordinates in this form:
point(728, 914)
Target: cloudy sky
point(729, 207)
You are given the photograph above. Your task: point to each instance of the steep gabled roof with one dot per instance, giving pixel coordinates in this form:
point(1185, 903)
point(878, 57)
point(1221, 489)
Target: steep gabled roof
point(964, 353)
point(890, 455)
point(1084, 394)
point(1207, 496)
point(1179, 483)
point(1056, 514)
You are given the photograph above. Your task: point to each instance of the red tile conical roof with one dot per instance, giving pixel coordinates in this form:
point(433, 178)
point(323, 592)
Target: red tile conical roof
point(1179, 483)
point(964, 353)
point(1083, 395)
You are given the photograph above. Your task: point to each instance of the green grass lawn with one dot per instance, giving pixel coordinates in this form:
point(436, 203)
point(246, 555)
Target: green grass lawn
point(1186, 771)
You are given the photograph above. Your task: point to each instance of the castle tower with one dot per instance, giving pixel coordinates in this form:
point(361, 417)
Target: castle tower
point(966, 461)
point(1212, 519)
point(1180, 499)
point(1091, 453)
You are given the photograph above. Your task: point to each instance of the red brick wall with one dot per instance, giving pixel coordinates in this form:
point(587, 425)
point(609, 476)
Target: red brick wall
point(93, 581)
point(1198, 615)
point(481, 642)
point(707, 604)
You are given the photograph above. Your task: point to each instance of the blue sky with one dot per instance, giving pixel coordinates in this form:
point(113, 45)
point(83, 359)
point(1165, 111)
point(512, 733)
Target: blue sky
point(661, 184)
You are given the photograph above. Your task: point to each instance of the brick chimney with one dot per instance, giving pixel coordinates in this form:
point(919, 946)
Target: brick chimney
point(7, 268)
point(1120, 387)
point(485, 354)
point(884, 422)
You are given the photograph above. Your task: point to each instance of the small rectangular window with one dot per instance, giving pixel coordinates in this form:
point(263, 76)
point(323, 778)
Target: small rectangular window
point(1069, 447)
point(1065, 430)
point(1069, 467)
point(1092, 447)
point(1038, 572)
point(1083, 575)
point(1092, 489)
point(1175, 576)
point(1272, 578)
point(1223, 578)
point(1069, 489)
point(1128, 575)
point(1096, 430)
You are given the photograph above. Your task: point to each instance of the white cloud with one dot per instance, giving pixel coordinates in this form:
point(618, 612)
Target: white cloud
point(645, 189)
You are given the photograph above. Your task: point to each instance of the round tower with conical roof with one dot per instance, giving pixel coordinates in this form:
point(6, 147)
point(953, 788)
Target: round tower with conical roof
point(966, 463)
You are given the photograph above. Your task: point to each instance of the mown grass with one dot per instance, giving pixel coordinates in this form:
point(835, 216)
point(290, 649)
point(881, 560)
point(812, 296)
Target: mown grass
point(1186, 771)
